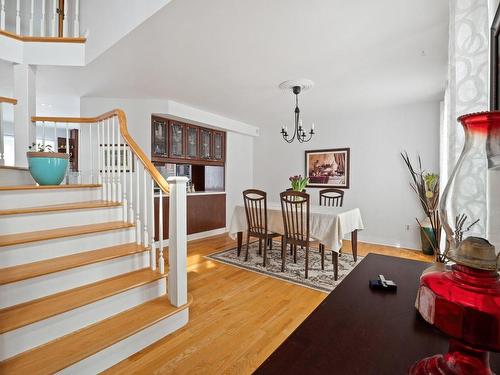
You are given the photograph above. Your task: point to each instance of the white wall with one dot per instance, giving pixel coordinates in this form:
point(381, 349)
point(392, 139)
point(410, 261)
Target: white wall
point(239, 153)
point(379, 179)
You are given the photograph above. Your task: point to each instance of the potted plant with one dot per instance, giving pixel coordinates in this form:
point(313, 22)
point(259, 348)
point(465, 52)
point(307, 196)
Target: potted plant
point(299, 183)
point(46, 166)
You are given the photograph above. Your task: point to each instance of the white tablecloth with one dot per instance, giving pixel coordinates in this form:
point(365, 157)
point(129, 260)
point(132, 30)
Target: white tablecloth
point(328, 225)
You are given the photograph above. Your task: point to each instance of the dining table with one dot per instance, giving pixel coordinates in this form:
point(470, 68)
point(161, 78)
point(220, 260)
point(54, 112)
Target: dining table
point(328, 225)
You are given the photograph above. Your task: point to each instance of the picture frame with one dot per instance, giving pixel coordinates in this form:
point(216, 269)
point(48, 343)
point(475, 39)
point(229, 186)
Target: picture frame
point(328, 168)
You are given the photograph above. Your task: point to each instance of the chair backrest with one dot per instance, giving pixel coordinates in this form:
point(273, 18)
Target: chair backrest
point(256, 210)
point(331, 197)
point(295, 210)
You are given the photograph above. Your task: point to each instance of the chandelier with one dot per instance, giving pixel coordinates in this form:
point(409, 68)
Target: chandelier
point(299, 133)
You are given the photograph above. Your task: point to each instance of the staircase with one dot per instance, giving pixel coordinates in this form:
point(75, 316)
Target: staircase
point(79, 286)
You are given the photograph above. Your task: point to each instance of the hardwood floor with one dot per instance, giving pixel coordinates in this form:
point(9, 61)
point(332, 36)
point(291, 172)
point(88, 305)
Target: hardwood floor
point(237, 318)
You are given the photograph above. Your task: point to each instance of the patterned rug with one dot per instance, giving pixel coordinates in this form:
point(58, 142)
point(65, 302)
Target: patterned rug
point(294, 273)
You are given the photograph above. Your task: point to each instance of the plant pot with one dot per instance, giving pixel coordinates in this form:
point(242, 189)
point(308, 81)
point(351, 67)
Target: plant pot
point(426, 233)
point(48, 168)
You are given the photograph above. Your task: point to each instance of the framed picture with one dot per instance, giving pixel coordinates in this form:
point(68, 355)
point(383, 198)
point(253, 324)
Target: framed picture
point(121, 161)
point(328, 168)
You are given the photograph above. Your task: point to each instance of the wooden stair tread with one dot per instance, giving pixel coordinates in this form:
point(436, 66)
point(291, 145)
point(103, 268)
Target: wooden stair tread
point(17, 316)
point(49, 234)
point(49, 187)
point(60, 207)
point(45, 267)
point(61, 353)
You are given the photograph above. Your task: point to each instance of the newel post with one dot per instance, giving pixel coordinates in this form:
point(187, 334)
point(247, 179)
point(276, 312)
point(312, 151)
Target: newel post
point(177, 242)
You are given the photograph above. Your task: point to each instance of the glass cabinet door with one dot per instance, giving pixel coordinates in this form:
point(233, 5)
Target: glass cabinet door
point(177, 140)
point(218, 146)
point(205, 144)
point(192, 142)
point(159, 138)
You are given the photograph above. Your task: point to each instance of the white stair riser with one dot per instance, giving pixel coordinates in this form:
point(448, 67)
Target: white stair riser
point(53, 220)
point(37, 287)
point(33, 335)
point(41, 250)
point(127, 347)
point(46, 197)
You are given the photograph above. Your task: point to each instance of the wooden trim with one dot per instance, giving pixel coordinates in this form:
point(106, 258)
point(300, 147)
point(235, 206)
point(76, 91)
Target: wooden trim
point(36, 154)
point(122, 120)
point(42, 39)
point(60, 207)
point(49, 187)
point(13, 167)
point(4, 99)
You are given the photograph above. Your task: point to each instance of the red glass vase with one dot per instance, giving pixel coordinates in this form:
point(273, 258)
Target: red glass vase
point(464, 302)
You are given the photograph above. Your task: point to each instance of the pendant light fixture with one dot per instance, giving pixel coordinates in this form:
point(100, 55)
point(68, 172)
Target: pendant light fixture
point(299, 132)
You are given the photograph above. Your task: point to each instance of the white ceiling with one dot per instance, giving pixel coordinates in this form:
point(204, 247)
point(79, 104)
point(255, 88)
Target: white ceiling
point(229, 56)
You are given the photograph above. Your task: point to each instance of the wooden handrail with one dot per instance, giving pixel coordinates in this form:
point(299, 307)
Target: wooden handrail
point(4, 99)
point(44, 39)
point(122, 120)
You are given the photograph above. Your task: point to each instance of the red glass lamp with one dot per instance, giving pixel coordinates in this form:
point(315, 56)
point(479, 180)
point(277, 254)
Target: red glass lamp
point(464, 302)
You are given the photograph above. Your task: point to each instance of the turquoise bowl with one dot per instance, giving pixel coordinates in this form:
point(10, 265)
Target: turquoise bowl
point(48, 168)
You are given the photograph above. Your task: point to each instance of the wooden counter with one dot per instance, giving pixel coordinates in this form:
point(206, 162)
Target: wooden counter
point(205, 211)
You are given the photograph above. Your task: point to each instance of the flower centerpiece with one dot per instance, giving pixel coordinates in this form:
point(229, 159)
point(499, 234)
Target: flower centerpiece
point(299, 183)
point(46, 166)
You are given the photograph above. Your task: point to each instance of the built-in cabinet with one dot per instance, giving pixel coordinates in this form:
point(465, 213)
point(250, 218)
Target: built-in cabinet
point(179, 142)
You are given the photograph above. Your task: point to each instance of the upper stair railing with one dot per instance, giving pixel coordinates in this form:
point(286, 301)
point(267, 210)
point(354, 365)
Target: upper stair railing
point(40, 20)
point(103, 152)
point(3, 101)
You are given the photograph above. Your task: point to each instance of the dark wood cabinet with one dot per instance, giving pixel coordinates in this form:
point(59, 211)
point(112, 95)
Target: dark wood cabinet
point(73, 148)
point(174, 142)
point(192, 142)
point(176, 139)
point(159, 139)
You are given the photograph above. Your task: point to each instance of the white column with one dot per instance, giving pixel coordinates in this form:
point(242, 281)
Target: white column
point(177, 242)
point(76, 21)
point(25, 93)
point(2, 15)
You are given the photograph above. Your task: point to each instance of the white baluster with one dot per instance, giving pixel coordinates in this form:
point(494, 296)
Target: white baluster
point(152, 221)
point(177, 242)
point(161, 260)
point(2, 15)
point(68, 152)
point(124, 183)
point(54, 19)
point(18, 17)
point(118, 163)
point(130, 187)
point(2, 150)
point(79, 173)
point(99, 164)
point(113, 160)
point(56, 146)
point(43, 134)
point(76, 21)
point(65, 21)
point(32, 14)
point(109, 164)
point(42, 21)
point(137, 202)
point(145, 237)
point(91, 155)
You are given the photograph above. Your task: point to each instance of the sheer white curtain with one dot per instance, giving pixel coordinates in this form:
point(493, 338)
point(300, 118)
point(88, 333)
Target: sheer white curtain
point(467, 91)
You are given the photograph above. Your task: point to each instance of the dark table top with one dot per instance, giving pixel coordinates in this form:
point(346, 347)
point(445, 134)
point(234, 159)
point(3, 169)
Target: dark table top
point(359, 331)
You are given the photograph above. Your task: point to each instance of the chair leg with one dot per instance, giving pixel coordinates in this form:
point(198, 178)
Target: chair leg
point(283, 254)
point(248, 245)
point(270, 243)
point(294, 253)
point(266, 242)
point(260, 246)
point(335, 257)
point(322, 250)
point(340, 252)
point(307, 261)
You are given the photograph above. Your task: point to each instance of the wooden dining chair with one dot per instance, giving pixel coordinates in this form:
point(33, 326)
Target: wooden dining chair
point(331, 197)
point(256, 212)
point(295, 208)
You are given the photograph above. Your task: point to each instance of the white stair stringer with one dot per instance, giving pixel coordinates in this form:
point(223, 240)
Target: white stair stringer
point(35, 251)
point(43, 331)
point(129, 346)
point(45, 197)
point(41, 286)
point(57, 219)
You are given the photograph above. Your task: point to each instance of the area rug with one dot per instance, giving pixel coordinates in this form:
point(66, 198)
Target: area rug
point(294, 272)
